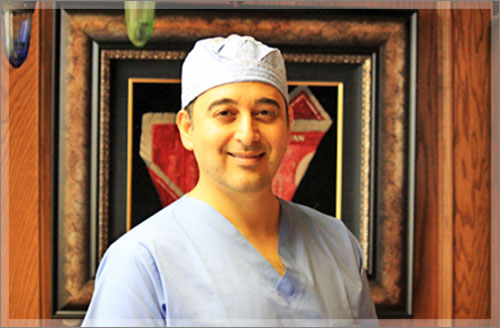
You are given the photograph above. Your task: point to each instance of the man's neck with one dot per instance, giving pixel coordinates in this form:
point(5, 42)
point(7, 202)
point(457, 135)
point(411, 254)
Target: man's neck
point(254, 214)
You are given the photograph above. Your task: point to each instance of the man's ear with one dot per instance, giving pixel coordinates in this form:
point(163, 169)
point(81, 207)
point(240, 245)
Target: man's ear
point(185, 127)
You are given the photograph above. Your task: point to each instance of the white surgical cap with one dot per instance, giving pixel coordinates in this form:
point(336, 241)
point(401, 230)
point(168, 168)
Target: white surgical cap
point(217, 61)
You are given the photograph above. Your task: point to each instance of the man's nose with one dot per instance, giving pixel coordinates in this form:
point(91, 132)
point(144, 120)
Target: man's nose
point(247, 130)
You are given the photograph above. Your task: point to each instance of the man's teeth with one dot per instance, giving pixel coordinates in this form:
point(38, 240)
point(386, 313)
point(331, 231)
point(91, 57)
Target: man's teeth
point(245, 156)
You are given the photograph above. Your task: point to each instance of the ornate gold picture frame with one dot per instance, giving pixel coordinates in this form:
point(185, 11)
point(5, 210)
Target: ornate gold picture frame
point(371, 53)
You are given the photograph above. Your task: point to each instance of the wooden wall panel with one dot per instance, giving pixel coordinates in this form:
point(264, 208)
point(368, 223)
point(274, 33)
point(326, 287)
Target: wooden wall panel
point(24, 263)
point(26, 139)
point(434, 185)
point(452, 237)
point(471, 162)
point(23, 201)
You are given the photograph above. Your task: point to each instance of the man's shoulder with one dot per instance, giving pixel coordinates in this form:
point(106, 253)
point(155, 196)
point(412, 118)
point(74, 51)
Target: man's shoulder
point(321, 226)
point(306, 214)
point(159, 230)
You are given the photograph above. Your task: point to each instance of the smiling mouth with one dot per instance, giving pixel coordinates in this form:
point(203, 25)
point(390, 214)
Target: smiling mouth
point(247, 156)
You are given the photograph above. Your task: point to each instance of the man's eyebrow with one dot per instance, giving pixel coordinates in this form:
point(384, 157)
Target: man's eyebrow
point(269, 101)
point(222, 101)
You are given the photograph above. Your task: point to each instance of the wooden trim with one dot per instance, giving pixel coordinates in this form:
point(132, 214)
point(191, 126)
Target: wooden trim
point(4, 98)
point(495, 172)
point(472, 163)
point(45, 155)
point(434, 203)
point(304, 4)
point(445, 166)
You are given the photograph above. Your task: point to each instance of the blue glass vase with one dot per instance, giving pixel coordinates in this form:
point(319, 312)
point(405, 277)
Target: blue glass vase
point(16, 30)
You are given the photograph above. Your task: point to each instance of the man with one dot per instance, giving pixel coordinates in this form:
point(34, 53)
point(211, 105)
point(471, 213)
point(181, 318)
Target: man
point(230, 252)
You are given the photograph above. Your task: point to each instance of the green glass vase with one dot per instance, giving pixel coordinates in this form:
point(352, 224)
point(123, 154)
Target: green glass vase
point(139, 17)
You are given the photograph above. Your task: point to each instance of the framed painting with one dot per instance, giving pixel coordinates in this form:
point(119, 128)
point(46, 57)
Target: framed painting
point(159, 170)
point(351, 80)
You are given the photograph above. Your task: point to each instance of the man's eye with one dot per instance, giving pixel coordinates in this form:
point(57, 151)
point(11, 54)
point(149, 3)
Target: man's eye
point(223, 113)
point(266, 113)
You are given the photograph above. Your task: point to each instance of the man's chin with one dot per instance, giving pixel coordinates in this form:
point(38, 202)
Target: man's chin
point(250, 185)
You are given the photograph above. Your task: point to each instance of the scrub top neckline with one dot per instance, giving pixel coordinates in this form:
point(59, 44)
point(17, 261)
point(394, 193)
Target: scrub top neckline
point(282, 283)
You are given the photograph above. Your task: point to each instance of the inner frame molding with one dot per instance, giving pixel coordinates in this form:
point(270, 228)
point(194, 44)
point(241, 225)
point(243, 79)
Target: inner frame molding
point(101, 177)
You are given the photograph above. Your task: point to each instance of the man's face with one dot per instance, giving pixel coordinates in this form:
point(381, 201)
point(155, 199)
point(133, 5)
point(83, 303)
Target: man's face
point(239, 133)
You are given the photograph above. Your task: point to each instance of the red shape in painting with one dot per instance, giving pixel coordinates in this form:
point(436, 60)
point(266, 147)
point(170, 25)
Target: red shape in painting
point(303, 108)
point(310, 124)
point(298, 155)
point(172, 168)
point(174, 160)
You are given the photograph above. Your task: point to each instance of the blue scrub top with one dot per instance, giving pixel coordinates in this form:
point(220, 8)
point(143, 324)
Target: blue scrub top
point(187, 265)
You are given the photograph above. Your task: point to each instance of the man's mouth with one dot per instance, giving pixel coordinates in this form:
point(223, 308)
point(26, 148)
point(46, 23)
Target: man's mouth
point(249, 156)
